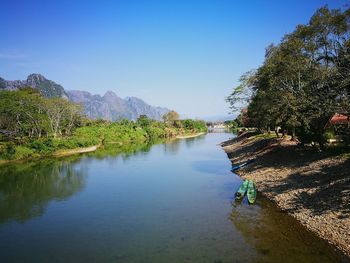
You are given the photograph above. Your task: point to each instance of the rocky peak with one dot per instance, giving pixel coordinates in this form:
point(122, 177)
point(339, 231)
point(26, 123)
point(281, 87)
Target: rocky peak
point(36, 78)
point(112, 97)
point(110, 94)
point(134, 99)
point(46, 87)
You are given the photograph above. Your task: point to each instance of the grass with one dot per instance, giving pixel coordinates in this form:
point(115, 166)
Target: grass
point(265, 136)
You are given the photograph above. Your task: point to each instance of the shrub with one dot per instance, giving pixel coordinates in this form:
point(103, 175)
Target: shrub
point(22, 152)
point(329, 134)
point(44, 145)
point(9, 150)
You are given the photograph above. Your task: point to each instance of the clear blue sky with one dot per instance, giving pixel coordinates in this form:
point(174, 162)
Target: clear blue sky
point(185, 55)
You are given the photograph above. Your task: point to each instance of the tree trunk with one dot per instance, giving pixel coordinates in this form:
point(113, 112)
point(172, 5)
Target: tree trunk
point(283, 133)
point(293, 135)
point(276, 132)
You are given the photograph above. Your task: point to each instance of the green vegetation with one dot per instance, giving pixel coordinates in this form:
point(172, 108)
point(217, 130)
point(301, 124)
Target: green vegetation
point(233, 125)
point(31, 126)
point(265, 136)
point(303, 82)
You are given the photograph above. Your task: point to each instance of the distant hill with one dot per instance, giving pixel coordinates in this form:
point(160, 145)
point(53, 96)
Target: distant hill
point(108, 107)
point(47, 88)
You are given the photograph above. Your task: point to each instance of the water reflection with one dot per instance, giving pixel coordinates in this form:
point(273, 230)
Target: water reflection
point(172, 148)
point(190, 142)
point(218, 167)
point(276, 236)
point(124, 150)
point(26, 189)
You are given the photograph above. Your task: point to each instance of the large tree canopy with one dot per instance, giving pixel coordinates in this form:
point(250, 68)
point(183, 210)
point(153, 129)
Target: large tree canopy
point(304, 79)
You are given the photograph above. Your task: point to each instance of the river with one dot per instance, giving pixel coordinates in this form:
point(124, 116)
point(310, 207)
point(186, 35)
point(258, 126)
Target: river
point(169, 202)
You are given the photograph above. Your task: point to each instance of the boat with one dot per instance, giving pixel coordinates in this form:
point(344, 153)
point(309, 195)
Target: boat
point(236, 167)
point(251, 192)
point(242, 190)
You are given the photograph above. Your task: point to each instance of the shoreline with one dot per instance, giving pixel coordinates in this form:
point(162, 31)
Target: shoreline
point(67, 152)
point(190, 135)
point(310, 186)
point(59, 153)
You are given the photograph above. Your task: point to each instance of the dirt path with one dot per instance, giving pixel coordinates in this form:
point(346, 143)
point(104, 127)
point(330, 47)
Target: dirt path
point(311, 186)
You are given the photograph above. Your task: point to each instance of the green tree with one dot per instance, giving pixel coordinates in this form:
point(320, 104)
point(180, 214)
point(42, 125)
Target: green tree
point(304, 79)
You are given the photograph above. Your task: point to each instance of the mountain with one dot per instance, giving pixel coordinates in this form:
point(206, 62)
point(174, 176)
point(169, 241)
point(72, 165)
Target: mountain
point(112, 107)
point(47, 88)
point(138, 107)
point(108, 107)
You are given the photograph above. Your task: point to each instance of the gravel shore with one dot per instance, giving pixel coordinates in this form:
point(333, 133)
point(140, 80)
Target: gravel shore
point(312, 186)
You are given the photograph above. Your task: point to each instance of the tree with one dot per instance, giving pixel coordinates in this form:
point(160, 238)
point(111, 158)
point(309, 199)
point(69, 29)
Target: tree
point(144, 121)
point(63, 116)
point(22, 112)
point(170, 118)
point(241, 95)
point(304, 79)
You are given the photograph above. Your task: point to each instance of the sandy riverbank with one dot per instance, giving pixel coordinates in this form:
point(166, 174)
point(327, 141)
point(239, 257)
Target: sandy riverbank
point(59, 153)
point(311, 186)
point(190, 135)
point(75, 151)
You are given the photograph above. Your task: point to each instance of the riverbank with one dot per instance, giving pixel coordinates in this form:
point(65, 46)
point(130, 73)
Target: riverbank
point(190, 135)
point(92, 133)
point(30, 155)
point(75, 151)
point(59, 153)
point(311, 186)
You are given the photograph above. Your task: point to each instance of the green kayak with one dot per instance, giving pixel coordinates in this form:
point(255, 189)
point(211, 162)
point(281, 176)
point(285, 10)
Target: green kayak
point(251, 192)
point(242, 189)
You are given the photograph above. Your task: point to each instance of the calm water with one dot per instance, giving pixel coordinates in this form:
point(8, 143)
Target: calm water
point(168, 202)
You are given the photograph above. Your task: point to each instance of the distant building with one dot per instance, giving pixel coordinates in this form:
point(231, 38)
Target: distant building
point(339, 119)
point(339, 124)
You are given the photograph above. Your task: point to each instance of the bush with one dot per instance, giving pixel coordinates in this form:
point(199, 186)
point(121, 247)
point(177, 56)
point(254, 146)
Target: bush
point(329, 135)
point(45, 145)
point(7, 151)
point(22, 152)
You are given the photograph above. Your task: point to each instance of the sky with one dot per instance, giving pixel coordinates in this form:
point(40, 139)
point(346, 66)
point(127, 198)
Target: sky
point(185, 55)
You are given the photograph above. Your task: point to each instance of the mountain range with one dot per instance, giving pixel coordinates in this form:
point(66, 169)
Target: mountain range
point(108, 107)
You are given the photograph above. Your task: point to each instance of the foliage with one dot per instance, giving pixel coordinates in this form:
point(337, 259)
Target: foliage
point(25, 113)
point(171, 118)
point(94, 132)
point(304, 79)
point(232, 125)
point(190, 125)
